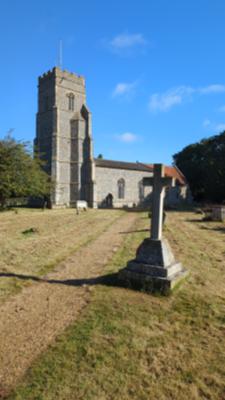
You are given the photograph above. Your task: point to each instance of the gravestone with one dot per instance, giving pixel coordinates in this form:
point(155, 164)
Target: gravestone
point(154, 268)
point(218, 213)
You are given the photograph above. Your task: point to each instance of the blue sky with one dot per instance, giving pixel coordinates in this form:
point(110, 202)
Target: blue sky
point(154, 69)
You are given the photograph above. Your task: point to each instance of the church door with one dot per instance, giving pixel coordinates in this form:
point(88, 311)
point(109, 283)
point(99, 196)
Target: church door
point(109, 200)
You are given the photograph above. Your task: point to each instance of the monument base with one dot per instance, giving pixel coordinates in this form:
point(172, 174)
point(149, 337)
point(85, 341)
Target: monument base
point(154, 269)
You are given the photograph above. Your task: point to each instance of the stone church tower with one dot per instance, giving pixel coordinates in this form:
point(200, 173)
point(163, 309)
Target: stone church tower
point(64, 137)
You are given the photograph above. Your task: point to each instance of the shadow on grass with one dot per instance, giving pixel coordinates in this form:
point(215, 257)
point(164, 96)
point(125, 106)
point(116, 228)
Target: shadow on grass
point(108, 280)
point(137, 231)
point(195, 220)
point(220, 229)
point(111, 280)
point(208, 220)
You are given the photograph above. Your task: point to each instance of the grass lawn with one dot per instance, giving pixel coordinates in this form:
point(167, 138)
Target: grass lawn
point(130, 345)
point(34, 241)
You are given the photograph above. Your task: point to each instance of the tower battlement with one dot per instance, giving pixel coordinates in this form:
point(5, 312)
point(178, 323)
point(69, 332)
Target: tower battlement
point(57, 72)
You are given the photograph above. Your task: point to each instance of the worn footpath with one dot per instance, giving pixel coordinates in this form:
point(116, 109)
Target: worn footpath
point(32, 319)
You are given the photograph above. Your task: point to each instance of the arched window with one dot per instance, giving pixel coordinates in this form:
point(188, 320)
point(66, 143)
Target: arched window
point(141, 190)
point(121, 188)
point(71, 102)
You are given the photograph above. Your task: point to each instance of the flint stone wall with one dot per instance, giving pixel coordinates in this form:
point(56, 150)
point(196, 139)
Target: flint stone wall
point(107, 182)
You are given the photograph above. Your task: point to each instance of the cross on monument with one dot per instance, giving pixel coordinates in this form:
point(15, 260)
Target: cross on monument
point(154, 267)
point(159, 182)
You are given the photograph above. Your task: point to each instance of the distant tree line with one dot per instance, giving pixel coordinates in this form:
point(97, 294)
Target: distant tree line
point(21, 174)
point(203, 164)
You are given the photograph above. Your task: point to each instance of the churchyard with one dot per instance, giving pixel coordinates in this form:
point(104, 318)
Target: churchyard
point(74, 335)
point(33, 241)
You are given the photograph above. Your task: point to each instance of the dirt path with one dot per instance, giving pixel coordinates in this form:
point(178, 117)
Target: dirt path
point(30, 321)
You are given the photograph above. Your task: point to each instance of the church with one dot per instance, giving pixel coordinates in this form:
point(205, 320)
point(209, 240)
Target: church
point(64, 141)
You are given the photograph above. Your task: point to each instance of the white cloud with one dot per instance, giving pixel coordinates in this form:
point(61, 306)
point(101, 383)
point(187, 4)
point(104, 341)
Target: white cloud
point(172, 97)
point(127, 137)
point(126, 40)
point(164, 102)
point(126, 44)
point(222, 109)
point(220, 127)
point(217, 88)
point(206, 123)
point(214, 127)
point(124, 89)
point(167, 100)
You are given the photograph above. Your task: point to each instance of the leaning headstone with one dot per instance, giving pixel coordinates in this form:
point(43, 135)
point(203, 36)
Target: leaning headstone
point(218, 213)
point(154, 268)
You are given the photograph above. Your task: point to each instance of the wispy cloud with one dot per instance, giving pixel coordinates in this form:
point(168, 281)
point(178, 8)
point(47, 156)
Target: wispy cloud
point(127, 137)
point(125, 90)
point(206, 123)
point(216, 88)
point(167, 100)
point(214, 127)
point(126, 40)
point(175, 96)
point(220, 127)
point(126, 43)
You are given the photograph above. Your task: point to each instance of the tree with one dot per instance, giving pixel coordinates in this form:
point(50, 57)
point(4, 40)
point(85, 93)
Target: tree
point(203, 164)
point(20, 173)
point(100, 156)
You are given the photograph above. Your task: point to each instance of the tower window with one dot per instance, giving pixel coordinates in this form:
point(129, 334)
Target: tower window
point(121, 188)
point(71, 102)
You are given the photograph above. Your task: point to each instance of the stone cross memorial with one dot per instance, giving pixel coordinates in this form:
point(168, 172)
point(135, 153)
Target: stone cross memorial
point(159, 183)
point(154, 268)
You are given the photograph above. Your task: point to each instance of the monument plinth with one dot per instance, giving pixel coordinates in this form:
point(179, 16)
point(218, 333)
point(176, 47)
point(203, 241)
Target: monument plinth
point(154, 268)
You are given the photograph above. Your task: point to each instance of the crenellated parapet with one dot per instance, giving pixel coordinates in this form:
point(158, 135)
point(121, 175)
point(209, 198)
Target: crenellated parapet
point(57, 72)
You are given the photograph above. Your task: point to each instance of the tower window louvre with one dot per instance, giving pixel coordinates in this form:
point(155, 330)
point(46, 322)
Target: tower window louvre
point(71, 102)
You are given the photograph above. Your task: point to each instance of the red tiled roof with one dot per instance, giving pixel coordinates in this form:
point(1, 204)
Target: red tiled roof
point(172, 172)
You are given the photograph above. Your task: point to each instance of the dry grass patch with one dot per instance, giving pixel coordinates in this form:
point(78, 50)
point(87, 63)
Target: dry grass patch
point(130, 345)
point(33, 241)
